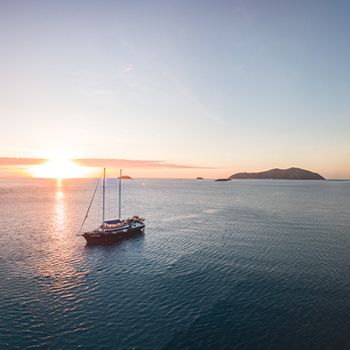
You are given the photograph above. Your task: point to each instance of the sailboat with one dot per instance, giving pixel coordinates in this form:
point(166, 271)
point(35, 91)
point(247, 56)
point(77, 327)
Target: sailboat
point(110, 231)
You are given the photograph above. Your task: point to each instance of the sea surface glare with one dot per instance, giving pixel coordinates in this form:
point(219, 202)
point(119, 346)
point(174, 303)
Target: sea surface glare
point(246, 264)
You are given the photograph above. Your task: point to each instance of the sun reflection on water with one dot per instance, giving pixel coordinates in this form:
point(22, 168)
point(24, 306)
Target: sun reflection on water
point(60, 208)
point(58, 269)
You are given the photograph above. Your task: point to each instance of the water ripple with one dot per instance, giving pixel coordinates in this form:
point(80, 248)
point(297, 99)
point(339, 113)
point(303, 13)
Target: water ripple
point(239, 265)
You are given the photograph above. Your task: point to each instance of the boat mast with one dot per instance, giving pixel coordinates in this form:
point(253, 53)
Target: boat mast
point(104, 195)
point(120, 194)
point(89, 207)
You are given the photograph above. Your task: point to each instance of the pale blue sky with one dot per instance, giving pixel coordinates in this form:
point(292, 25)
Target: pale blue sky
point(237, 85)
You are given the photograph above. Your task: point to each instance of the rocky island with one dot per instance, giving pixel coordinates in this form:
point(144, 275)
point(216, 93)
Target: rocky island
point(280, 174)
point(125, 177)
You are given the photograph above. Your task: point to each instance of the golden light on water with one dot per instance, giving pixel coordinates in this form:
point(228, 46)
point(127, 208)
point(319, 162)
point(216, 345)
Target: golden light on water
point(59, 205)
point(58, 169)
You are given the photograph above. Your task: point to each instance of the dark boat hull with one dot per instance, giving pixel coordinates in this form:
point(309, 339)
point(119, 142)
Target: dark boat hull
point(93, 238)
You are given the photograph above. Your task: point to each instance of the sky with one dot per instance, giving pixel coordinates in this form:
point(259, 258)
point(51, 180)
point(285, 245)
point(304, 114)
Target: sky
point(204, 88)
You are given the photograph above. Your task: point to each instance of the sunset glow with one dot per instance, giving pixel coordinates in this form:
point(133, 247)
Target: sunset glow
point(173, 89)
point(58, 169)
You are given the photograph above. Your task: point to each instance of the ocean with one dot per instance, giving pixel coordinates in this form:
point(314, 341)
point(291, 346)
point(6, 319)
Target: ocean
point(245, 264)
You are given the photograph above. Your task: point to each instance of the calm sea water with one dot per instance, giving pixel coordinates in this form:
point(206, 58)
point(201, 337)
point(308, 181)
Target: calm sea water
point(234, 265)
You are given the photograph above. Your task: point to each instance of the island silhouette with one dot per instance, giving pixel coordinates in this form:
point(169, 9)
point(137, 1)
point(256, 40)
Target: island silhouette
point(124, 177)
point(280, 174)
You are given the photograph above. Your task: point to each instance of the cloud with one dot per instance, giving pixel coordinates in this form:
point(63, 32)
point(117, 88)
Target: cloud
point(7, 161)
point(127, 67)
point(128, 163)
point(98, 162)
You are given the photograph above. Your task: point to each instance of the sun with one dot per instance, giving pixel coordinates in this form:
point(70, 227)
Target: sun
point(58, 169)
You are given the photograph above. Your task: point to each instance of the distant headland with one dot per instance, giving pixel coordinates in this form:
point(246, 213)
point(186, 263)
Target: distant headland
point(125, 177)
point(280, 174)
